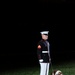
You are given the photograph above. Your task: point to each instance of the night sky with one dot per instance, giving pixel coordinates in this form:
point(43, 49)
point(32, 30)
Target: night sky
point(19, 40)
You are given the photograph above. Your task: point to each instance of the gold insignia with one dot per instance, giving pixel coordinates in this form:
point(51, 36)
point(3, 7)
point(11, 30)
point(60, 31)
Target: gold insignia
point(39, 46)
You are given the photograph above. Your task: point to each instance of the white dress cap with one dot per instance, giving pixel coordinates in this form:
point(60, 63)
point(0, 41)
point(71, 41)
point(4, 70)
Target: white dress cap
point(44, 32)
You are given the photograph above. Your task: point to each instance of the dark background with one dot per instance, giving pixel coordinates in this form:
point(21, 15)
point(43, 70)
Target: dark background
point(20, 37)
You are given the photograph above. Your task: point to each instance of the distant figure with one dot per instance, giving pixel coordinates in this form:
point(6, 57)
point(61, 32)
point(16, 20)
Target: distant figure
point(43, 53)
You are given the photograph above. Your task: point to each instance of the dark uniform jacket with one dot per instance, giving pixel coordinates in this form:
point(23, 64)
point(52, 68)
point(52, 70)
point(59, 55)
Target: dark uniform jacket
point(42, 48)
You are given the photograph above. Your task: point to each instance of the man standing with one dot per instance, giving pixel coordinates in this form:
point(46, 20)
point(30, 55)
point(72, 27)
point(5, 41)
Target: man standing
point(43, 53)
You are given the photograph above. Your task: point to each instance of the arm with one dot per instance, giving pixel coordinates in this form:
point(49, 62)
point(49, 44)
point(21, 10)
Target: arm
point(39, 52)
point(49, 53)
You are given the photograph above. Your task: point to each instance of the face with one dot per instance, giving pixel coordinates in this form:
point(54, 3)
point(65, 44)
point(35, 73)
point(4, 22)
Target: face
point(45, 37)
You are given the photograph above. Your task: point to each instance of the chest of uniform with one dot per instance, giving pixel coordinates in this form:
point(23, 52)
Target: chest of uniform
point(44, 46)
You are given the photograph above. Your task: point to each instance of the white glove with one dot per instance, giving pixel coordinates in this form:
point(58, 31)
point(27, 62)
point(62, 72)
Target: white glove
point(41, 60)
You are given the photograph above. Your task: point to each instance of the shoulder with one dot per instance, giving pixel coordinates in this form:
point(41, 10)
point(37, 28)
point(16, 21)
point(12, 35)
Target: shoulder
point(40, 42)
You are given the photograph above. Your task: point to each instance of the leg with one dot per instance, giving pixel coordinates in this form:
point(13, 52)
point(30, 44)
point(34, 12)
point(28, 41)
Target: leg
point(48, 68)
point(43, 68)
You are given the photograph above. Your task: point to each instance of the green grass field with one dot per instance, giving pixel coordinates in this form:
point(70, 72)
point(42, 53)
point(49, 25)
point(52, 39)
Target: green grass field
point(68, 68)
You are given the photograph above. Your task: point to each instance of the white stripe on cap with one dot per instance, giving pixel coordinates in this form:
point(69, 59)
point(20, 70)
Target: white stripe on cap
point(44, 32)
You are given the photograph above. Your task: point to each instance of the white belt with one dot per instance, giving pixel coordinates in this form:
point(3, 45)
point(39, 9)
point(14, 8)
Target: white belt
point(45, 51)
